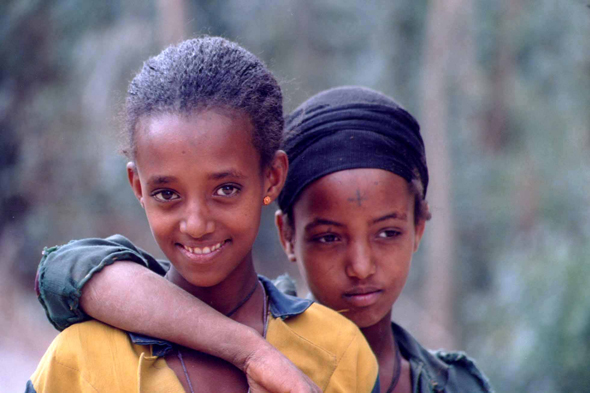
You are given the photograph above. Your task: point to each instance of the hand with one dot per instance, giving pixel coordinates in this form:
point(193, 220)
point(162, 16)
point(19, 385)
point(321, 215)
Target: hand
point(268, 370)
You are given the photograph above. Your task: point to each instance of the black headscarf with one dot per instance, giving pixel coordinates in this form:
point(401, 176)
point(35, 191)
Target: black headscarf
point(347, 128)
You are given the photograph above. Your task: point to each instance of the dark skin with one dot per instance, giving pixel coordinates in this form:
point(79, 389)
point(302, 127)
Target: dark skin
point(354, 257)
point(381, 340)
point(359, 198)
point(353, 234)
point(134, 298)
point(203, 206)
point(210, 373)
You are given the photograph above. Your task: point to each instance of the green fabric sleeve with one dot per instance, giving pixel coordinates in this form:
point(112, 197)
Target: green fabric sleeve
point(64, 270)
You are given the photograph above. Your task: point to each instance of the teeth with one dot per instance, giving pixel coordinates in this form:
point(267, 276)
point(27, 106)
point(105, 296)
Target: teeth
point(205, 250)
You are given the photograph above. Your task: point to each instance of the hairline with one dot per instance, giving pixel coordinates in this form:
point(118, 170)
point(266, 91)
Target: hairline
point(222, 109)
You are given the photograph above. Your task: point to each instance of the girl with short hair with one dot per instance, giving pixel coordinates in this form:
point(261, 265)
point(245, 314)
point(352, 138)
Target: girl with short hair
point(204, 121)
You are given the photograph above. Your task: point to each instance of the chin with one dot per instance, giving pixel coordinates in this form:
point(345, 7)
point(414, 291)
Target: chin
point(206, 280)
point(200, 279)
point(364, 319)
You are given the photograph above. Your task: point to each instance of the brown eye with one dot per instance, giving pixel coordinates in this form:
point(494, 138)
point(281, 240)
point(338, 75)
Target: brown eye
point(227, 190)
point(330, 238)
point(165, 196)
point(389, 233)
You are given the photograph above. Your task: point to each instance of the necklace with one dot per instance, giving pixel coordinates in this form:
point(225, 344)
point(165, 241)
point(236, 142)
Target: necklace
point(244, 300)
point(264, 323)
point(397, 369)
point(188, 379)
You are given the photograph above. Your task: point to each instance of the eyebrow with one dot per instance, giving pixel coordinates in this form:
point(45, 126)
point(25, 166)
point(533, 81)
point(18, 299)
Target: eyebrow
point(394, 216)
point(321, 221)
point(160, 180)
point(226, 174)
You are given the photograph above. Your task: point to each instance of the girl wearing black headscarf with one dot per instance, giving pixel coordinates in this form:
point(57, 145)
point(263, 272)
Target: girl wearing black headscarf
point(353, 211)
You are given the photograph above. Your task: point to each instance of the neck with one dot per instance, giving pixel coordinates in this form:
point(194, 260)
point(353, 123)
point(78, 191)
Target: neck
point(225, 295)
point(382, 342)
point(380, 338)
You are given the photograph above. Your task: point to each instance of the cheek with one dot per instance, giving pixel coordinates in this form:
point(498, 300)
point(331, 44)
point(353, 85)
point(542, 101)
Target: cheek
point(160, 224)
point(395, 267)
point(322, 276)
point(309, 261)
point(242, 221)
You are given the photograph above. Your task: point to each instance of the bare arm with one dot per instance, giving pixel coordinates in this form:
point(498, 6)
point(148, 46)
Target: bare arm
point(131, 297)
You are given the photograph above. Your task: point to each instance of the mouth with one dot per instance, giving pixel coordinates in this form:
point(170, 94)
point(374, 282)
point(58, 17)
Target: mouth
point(362, 296)
point(203, 250)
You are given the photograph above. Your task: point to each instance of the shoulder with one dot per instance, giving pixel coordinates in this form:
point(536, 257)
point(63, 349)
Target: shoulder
point(453, 371)
point(463, 372)
point(316, 323)
point(327, 347)
point(90, 336)
point(84, 345)
point(82, 356)
point(326, 328)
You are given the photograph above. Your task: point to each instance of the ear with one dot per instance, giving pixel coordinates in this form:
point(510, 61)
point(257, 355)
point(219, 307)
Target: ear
point(133, 177)
point(419, 232)
point(275, 175)
point(285, 235)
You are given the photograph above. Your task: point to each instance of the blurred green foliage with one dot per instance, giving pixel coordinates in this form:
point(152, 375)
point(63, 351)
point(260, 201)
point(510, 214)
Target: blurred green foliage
point(519, 99)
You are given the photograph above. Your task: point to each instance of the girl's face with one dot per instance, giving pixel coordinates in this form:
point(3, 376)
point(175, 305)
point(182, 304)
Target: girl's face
point(199, 179)
point(354, 236)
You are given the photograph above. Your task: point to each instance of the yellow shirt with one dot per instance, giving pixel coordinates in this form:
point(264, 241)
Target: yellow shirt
point(94, 357)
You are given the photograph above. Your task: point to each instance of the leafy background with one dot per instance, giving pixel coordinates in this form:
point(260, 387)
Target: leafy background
point(501, 89)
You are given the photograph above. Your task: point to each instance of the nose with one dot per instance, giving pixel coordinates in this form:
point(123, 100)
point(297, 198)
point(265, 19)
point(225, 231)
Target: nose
point(197, 220)
point(360, 262)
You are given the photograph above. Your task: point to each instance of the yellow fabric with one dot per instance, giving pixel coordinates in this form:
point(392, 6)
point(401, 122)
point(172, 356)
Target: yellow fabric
point(328, 348)
point(94, 357)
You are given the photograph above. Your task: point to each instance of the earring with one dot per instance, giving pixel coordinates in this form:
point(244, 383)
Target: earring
point(292, 258)
point(266, 200)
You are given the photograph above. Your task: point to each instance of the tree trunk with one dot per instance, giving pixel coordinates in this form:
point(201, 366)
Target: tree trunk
point(439, 330)
point(494, 135)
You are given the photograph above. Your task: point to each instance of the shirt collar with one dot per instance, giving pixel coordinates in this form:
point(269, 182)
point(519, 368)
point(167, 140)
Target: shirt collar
point(159, 347)
point(435, 369)
point(281, 306)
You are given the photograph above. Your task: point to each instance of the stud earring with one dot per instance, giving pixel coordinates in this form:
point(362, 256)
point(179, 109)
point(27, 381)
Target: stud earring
point(292, 258)
point(266, 200)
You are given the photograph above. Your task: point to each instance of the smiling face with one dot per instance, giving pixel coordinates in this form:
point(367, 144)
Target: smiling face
point(354, 236)
point(199, 179)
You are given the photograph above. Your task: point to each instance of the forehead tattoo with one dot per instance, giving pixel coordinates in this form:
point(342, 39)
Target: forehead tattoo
point(358, 199)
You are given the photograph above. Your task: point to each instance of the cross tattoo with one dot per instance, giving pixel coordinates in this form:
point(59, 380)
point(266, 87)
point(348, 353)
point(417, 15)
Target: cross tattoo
point(359, 198)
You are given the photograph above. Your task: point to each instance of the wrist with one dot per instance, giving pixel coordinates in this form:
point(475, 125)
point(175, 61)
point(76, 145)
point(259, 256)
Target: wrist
point(250, 345)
